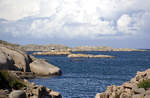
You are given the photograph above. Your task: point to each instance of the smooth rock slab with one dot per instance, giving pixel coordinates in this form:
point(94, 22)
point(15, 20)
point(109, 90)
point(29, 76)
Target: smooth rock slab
point(17, 94)
point(147, 96)
point(139, 91)
point(138, 96)
point(43, 68)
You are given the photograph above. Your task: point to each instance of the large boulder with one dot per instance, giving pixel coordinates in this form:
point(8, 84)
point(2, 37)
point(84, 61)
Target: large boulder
point(6, 62)
point(43, 68)
point(13, 59)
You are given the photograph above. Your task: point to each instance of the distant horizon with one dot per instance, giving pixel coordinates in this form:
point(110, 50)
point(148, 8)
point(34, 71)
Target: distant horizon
point(122, 24)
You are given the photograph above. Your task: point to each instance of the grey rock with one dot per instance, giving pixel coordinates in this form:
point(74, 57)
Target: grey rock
point(13, 59)
point(41, 67)
point(17, 94)
point(125, 95)
point(147, 96)
point(138, 96)
point(148, 92)
point(139, 91)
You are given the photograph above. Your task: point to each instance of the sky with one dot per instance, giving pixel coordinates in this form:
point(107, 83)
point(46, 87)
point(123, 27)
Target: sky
point(115, 23)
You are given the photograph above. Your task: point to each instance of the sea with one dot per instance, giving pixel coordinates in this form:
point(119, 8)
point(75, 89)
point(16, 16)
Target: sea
point(84, 77)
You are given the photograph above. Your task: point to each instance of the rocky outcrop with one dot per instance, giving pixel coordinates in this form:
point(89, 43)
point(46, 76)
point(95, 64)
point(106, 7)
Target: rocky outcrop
point(131, 89)
point(89, 56)
point(25, 88)
point(42, 68)
point(14, 84)
point(14, 59)
point(52, 53)
point(35, 91)
point(17, 94)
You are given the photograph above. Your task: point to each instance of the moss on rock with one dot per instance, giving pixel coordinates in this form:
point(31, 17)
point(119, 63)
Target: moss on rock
point(7, 80)
point(144, 84)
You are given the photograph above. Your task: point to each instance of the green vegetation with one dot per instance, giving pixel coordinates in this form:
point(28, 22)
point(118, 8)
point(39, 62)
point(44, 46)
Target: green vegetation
point(144, 84)
point(9, 81)
point(8, 44)
point(117, 96)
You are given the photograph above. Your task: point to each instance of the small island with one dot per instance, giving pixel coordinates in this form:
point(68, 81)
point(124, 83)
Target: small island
point(52, 53)
point(88, 56)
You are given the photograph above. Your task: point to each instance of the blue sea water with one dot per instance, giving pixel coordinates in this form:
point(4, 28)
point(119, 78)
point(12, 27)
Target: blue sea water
point(84, 77)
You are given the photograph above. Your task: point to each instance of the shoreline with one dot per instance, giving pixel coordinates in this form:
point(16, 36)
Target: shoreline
point(16, 67)
point(137, 87)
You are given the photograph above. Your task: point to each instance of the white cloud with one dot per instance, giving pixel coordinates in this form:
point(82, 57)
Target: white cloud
point(75, 18)
point(18, 9)
point(124, 23)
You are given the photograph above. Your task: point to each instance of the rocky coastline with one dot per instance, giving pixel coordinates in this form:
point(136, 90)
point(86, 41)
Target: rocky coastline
point(20, 66)
point(137, 87)
point(57, 47)
point(16, 67)
point(15, 86)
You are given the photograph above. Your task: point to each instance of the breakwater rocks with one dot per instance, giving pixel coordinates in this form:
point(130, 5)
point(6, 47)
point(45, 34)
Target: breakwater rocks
point(52, 53)
point(88, 56)
point(137, 87)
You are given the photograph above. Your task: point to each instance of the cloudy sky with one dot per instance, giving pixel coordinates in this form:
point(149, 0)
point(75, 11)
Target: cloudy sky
point(116, 23)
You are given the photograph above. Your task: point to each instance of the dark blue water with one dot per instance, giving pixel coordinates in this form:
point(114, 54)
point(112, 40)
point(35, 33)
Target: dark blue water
point(84, 77)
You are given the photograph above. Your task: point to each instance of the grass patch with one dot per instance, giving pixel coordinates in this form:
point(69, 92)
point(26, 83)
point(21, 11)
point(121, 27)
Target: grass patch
point(9, 81)
point(144, 84)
